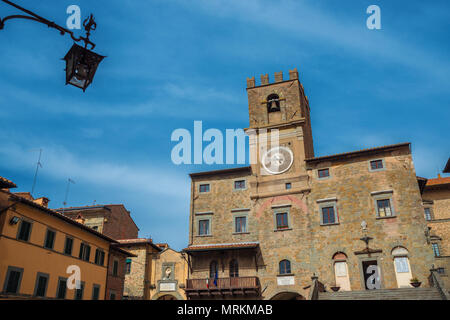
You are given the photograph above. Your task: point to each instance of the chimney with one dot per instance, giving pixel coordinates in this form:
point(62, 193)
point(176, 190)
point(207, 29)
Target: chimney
point(293, 74)
point(80, 219)
point(43, 201)
point(279, 76)
point(251, 82)
point(264, 79)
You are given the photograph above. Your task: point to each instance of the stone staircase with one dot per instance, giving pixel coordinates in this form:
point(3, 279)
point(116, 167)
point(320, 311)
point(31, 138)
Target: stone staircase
point(384, 294)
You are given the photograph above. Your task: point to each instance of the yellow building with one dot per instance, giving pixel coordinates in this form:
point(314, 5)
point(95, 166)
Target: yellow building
point(40, 249)
point(170, 270)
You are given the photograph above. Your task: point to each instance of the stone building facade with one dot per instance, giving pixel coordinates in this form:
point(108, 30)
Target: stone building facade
point(353, 220)
point(138, 269)
point(436, 202)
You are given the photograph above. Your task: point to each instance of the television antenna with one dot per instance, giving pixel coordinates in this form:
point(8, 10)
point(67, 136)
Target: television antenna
point(69, 181)
point(38, 164)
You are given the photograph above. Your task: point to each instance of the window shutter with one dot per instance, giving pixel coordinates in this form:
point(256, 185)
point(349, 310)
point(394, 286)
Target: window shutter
point(81, 251)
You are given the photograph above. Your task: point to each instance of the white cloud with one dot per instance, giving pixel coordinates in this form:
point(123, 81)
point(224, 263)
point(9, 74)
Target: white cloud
point(145, 180)
point(174, 100)
point(304, 20)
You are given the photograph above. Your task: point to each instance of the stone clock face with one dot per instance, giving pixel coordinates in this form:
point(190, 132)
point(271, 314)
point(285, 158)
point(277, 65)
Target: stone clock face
point(277, 160)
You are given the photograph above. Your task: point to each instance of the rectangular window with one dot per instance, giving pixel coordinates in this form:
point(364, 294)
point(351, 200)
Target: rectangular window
point(62, 288)
point(99, 257)
point(428, 214)
point(239, 184)
point(323, 173)
point(328, 216)
point(204, 188)
point(203, 227)
point(68, 246)
point(79, 292)
point(384, 208)
point(41, 285)
point(240, 224)
point(288, 186)
point(435, 247)
point(401, 264)
point(13, 279)
point(85, 252)
point(49, 239)
point(95, 292)
point(282, 220)
point(24, 231)
point(376, 164)
point(115, 267)
point(112, 295)
point(441, 270)
point(128, 266)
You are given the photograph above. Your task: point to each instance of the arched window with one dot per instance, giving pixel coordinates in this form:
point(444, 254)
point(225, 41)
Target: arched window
point(234, 269)
point(273, 103)
point(402, 267)
point(213, 270)
point(342, 278)
point(285, 267)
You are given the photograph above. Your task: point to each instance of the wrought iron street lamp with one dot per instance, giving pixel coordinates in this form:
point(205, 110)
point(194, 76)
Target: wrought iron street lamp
point(81, 63)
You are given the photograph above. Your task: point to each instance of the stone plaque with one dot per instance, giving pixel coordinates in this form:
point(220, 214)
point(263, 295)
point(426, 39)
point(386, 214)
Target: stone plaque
point(167, 286)
point(285, 281)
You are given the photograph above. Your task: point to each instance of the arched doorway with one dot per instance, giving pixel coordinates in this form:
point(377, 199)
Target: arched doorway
point(341, 275)
point(287, 296)
point(167, 297)
point(402, 267)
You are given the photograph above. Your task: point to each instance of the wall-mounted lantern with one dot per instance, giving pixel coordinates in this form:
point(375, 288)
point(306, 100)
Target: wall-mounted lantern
point(81, 63)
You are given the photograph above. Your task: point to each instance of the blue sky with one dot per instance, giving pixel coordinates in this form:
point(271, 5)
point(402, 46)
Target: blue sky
point(171, 62)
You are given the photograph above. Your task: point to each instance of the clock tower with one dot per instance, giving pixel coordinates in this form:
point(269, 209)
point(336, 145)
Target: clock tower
point(280, 135)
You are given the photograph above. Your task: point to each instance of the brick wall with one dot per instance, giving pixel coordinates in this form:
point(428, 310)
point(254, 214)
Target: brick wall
point(115, 283)
point(120, 225)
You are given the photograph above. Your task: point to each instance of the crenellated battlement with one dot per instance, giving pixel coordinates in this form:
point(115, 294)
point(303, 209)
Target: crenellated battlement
point(278, 76)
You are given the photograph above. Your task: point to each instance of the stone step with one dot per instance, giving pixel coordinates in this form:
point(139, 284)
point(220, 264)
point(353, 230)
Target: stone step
point(384, 294)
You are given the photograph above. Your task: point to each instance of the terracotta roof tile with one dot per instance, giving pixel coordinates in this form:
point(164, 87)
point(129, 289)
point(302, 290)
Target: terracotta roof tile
point(5, 183)
point(137, 241)
point(438, 181)
point(56, 214)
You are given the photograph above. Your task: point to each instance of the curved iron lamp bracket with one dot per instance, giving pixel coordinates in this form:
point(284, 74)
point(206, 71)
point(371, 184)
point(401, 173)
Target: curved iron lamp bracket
point(89, 24)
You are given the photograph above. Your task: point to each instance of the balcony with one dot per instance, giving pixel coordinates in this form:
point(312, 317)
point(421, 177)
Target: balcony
point(244, 286)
